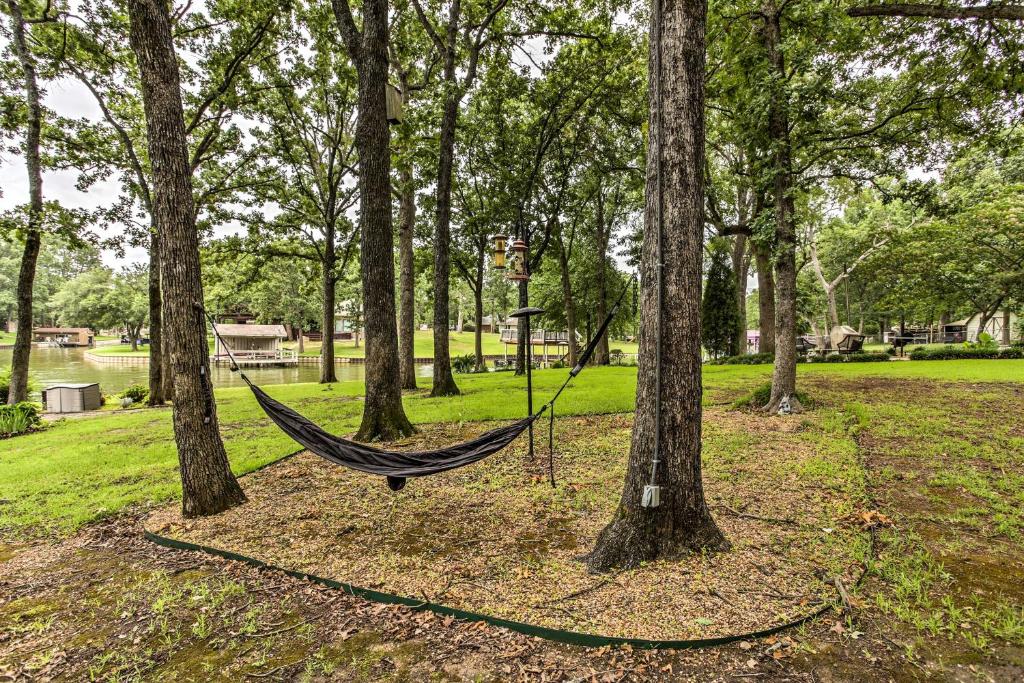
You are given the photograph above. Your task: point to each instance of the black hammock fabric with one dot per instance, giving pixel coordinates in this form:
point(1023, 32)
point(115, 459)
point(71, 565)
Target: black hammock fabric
point(395, 465)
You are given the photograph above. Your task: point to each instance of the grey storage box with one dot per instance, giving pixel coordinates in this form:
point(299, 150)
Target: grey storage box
point(72, 398)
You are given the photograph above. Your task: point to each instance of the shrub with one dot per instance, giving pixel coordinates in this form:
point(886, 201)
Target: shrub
point(137, 393)
point(19, 418)
point(464, 364)
point(965, 352)
point(759, 397)
point(5, 384)
point(868, 357)
point(861, 357)
point(746, 359)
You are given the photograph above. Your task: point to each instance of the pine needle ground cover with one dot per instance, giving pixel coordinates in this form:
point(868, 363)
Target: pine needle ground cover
point(496, 538)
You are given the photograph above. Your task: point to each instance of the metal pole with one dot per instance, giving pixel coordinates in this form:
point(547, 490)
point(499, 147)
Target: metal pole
point(529, 381)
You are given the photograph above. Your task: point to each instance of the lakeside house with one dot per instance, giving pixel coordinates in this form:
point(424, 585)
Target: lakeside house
point(63, 336)
point(253, 345)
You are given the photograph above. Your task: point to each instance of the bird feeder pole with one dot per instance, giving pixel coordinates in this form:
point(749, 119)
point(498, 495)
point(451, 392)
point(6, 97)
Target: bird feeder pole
point(519, 271)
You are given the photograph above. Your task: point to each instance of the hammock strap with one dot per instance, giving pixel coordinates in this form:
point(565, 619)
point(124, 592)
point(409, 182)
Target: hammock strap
point(224, 344)
point(551, 445)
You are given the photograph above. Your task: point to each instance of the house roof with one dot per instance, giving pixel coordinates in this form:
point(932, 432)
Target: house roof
point(233, 330)
point(968, 321)
point(61, 330)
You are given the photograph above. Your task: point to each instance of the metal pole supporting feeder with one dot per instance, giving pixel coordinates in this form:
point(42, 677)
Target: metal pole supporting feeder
point(527, 313)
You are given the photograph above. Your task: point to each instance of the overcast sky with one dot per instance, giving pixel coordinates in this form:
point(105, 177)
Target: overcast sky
point(68, 98)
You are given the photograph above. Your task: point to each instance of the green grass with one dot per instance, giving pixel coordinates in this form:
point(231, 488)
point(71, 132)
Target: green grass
point(6, 337)
point(120, 350)
point(460, 343)
point(126, 350)
point(80, 470)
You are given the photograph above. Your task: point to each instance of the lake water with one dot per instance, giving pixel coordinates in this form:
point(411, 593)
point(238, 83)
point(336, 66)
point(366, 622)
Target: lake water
point(53, 366)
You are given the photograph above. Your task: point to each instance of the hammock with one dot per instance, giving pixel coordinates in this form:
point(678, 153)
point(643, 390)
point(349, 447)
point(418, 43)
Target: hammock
point(397, 466)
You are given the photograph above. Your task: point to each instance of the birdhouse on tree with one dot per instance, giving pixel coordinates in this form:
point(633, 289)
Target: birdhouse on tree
point(394, 104)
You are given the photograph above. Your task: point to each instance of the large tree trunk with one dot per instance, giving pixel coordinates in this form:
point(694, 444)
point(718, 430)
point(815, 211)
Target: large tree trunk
point(784, 374)
point(765, 299)
point(406, 279)
point(166, 365)
point(208, 486)
point(601, 353)
point(156, 383)
point(682, 523)
point(18, 390)
point(478, 314)
point(444, 381)
point(383, 415)
point(567, 298)
point(328, 373)
point(739, 268)
point(833, 306)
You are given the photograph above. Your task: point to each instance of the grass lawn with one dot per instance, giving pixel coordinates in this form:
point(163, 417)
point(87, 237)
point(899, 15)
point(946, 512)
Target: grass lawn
point(6, 337)
point(126, 350)
point(120, 350)
point(460, 343)
point(79, 470)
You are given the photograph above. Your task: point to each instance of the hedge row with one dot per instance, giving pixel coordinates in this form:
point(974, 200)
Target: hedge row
point(766, 358)
point(862, 357)
point(745, 359)
point(963, 352)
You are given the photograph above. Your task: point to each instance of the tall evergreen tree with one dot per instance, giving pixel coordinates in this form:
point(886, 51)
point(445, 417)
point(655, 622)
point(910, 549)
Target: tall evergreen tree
point(720, 317)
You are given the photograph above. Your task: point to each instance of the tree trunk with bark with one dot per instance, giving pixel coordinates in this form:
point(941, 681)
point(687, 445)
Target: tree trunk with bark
point(739, 267)
point(156, 382)
point(765, 299)
point(406, 279)
point(444, 380)
point(987, 313)
point(682, 523)
point(784, 374)
point(567, 298)
point(208, 486)
point(478, 315)
point(601, 353)
point(383, 414)
point(18, 390)
point(328, 372)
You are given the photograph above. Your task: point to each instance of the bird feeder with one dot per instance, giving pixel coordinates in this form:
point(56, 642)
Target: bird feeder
point(394, 104)
point(500, 242)
point(517, 266)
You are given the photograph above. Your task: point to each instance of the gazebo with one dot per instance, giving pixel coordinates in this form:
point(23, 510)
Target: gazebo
point(253, 345)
